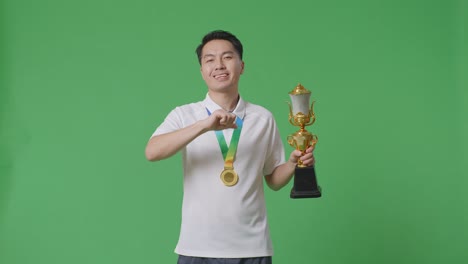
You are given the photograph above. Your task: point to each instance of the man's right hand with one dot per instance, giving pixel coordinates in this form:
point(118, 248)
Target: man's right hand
point(165, 145)
point(219, 120)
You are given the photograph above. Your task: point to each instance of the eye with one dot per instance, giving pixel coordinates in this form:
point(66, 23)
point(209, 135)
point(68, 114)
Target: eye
point(228, 57)
point(208, 60)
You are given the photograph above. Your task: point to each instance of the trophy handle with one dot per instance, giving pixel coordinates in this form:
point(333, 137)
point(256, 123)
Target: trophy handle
point(290, 140)
point(311, 114)
point(314, 140)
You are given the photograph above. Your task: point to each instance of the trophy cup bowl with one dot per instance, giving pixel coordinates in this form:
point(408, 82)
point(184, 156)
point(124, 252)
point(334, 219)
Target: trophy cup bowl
point(305, 180)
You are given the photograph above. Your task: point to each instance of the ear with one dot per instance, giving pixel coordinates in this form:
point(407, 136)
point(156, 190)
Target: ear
point(242, 67)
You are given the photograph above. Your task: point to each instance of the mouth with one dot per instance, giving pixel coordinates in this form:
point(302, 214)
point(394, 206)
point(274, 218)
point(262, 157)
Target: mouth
point(221, 76)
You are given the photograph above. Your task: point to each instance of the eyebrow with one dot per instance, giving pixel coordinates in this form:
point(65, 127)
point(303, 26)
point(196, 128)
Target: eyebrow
point(224, 53)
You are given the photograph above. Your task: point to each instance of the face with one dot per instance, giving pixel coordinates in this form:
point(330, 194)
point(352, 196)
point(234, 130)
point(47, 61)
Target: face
point(221, 66)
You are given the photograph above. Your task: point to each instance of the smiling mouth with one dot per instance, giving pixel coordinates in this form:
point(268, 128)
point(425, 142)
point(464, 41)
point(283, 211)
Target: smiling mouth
point(221, 76)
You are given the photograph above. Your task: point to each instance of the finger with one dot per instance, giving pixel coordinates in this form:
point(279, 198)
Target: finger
point(231, 125)
point(297, 154)
point(309, 162)
point(232, 118)
point(307, 156)
point(223, 120)
point(293, 157)
point(310, 149)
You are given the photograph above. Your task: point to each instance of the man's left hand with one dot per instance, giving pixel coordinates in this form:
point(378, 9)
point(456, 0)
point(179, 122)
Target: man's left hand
point(307, 159)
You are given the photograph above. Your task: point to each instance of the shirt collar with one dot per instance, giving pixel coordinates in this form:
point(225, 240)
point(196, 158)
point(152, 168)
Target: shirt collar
point(212, 106)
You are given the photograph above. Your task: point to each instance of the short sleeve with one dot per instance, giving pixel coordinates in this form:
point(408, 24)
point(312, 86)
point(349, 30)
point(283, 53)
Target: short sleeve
point(172, 123)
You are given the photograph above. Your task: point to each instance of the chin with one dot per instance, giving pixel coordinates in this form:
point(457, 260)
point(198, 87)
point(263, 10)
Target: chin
point(221, 87)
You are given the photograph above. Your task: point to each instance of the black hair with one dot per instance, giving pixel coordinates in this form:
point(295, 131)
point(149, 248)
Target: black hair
point(220, 34)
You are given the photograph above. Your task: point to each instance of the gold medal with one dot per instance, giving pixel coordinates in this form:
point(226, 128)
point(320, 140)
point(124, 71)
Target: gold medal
point(229, 177)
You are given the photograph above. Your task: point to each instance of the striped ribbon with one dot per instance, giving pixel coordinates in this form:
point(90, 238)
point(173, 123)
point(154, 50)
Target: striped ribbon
point(229, 153)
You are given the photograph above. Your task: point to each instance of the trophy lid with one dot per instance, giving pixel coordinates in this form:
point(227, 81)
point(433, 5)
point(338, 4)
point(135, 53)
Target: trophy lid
point(299, 90)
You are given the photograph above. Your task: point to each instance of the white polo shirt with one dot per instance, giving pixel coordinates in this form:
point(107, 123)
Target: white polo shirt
point(220, 221)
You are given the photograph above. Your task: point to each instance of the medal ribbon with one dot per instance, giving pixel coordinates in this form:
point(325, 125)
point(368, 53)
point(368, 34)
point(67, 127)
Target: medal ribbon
point(229, 153)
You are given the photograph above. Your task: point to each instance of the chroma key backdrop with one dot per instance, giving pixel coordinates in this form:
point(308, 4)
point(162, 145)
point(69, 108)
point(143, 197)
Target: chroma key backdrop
point(84, 84)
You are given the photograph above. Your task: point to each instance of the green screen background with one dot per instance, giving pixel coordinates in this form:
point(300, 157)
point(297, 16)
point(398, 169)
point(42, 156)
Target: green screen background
point(83, 85)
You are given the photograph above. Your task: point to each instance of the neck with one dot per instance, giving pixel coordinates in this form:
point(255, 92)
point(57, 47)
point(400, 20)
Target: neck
point(227, 101)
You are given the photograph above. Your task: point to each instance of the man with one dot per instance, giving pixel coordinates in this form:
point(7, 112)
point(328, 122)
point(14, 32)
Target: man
point(228, 146)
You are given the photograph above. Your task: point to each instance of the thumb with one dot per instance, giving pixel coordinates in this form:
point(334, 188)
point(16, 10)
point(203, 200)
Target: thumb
point(295, 155)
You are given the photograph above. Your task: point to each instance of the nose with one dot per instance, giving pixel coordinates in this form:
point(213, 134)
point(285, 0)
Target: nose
point(219, 64)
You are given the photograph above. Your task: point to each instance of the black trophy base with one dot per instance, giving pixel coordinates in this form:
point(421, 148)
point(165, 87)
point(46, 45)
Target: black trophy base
point(305, 184)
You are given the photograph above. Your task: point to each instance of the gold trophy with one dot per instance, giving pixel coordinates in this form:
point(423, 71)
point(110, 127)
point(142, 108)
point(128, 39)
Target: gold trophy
point(305, 181)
